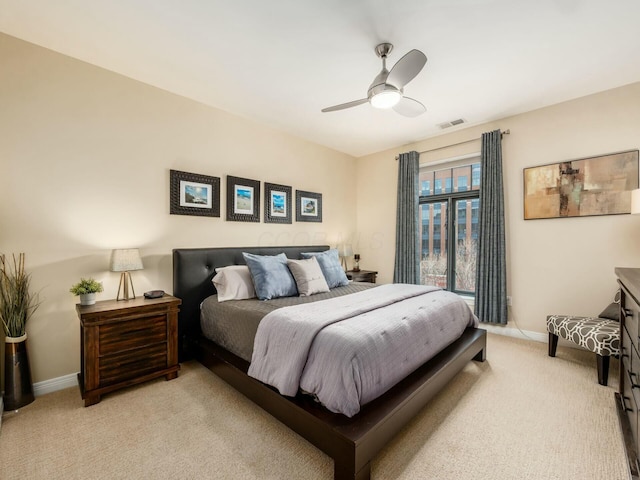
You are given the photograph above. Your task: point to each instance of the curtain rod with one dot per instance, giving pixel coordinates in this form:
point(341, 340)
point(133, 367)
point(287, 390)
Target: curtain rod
point(505, 132)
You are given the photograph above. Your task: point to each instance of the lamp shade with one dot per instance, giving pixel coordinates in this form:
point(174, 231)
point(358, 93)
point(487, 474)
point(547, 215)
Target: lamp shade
point(345, 250)
point(125, 260)
point(635, 201)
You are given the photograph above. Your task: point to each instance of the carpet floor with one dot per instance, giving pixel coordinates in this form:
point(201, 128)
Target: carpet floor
point(519, 415)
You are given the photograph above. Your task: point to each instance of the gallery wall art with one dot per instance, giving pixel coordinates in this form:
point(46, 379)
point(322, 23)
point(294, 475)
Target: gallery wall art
point(243, 199)
point(308, 206)
point(277, 203)
point(194, 194)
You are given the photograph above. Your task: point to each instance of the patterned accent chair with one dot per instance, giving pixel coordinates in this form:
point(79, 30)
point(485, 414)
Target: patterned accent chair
point(599, 335)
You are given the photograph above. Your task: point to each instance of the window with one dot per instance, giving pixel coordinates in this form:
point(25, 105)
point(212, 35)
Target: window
point(426, 187)
point(449, 223)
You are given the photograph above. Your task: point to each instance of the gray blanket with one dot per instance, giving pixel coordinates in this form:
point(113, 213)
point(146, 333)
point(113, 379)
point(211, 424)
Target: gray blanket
point(349, 350)
point(233, 324)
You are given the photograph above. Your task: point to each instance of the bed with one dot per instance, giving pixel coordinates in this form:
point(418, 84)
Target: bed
point(351, 442)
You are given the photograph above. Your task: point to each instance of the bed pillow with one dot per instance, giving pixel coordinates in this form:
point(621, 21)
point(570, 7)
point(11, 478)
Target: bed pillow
point(233, 283)
point(308, 276)
point(271, 276)
point(330, 265)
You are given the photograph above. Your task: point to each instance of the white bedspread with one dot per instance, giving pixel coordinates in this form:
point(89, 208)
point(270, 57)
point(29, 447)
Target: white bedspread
point(349, 350)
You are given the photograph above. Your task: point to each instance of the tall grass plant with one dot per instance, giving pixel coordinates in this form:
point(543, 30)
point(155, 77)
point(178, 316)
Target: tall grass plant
point(17, 303)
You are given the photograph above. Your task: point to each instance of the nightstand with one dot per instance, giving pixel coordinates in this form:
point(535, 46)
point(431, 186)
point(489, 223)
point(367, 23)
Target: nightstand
point(126, 342)
point(362, 276)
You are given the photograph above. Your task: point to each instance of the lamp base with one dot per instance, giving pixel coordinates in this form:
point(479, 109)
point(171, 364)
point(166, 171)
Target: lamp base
point(125, 281)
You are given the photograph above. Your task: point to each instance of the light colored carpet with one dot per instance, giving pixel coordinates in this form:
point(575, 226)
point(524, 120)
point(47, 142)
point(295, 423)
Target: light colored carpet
point(519, 415)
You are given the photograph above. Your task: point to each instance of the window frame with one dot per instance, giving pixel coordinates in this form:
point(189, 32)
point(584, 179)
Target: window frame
point(450, 199)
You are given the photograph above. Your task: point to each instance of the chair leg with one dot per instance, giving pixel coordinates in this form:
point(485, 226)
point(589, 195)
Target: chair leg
point(553, 344)
point(603, 369)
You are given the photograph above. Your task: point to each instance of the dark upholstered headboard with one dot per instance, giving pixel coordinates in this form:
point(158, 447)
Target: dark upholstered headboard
point(193, 269)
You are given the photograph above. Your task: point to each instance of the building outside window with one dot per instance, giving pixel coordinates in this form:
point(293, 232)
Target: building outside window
point(449, 224)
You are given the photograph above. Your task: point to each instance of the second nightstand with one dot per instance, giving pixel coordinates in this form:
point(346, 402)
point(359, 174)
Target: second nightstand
point(362, 276)
point(126, 342)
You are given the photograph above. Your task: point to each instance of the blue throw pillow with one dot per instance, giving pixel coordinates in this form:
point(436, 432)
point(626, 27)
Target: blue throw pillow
point(271, 276)
point(330, 265)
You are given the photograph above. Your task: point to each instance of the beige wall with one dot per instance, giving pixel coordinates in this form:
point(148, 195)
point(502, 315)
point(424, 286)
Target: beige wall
point(555, 265)
point(85, 156)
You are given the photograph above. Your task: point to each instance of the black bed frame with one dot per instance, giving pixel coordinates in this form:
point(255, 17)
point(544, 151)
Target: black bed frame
point(351, 442)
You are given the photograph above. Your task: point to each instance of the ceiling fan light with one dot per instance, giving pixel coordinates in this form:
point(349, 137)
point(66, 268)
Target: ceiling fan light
point(386, 99)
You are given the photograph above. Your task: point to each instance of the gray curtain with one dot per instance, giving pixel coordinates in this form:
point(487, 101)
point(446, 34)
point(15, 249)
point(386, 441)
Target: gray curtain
point(407, 266)
point(491, 268)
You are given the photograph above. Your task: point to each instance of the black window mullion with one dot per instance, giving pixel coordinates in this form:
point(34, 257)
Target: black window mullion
point(451, 242)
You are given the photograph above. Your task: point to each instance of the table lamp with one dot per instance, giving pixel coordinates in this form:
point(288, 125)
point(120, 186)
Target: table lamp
point(125, 260)
point(344, 251)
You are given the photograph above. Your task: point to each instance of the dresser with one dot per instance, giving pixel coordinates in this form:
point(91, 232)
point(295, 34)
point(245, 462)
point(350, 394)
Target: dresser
point(126, 342)
point(628, 395)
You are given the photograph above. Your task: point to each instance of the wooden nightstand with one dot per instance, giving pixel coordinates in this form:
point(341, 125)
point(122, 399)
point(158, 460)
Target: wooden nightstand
point(362, 276)
point(126, 342)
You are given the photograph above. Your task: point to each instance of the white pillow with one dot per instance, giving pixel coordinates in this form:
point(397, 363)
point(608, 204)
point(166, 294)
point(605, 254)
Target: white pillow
point(233, 283)
point(308, 276)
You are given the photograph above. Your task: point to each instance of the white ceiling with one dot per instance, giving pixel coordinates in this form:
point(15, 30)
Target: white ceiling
point(279, 62)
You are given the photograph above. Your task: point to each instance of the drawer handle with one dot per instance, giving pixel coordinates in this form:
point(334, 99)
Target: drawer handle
point(632, 377)
point(627, 312)
point(624, 404)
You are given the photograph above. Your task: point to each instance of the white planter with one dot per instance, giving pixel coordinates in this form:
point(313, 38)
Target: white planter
point(88, 299)
point(15, 339)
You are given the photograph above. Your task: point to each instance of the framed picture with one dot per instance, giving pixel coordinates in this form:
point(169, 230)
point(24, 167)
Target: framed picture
point(578, 188)
point(277, 203)
point(194, 194)
point(308, 206)
point(243, 199)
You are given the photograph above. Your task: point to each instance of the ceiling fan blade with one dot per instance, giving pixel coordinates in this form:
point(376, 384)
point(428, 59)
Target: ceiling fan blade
point(342, 106)
point(407, 68)
point(409, 107)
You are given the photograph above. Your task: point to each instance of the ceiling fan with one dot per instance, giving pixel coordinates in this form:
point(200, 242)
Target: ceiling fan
point(386, 90)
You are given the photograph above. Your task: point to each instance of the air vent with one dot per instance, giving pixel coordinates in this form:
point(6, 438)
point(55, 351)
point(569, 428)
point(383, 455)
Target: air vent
point(452, 123)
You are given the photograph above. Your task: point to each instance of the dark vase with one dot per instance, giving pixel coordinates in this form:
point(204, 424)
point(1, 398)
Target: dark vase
point(18, 389)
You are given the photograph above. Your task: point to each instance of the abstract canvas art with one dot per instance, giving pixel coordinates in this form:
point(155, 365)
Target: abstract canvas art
point(577, 188)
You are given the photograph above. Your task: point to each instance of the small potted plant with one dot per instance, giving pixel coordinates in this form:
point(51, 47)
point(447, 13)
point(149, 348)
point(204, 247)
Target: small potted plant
point(87, 288)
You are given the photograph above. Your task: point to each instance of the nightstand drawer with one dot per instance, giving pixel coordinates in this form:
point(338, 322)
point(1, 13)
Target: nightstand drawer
point(130, 334)
point(131, 364)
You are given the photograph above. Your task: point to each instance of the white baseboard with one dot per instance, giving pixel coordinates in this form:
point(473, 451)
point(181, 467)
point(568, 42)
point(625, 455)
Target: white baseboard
point(515, 332)
point(55, 384)
point(525, 335)
point(48, 386)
